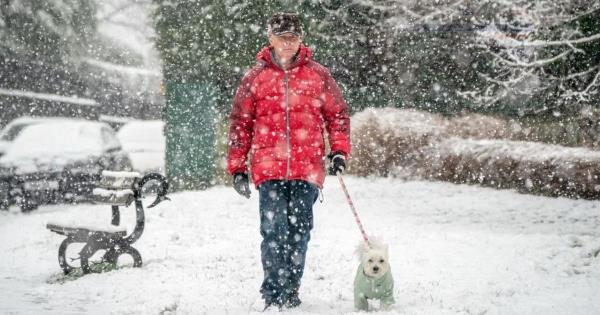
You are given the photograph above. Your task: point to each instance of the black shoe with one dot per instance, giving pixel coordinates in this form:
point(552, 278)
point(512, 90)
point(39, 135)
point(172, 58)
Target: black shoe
point(293, 301)
point(273, 304)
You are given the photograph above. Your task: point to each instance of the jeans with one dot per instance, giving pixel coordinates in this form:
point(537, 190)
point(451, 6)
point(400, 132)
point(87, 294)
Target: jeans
point(286, 218)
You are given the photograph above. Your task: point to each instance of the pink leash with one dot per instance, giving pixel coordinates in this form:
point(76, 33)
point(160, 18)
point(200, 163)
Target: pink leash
point(360, 226)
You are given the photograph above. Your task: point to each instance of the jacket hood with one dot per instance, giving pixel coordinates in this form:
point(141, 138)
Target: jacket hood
point(303, 57)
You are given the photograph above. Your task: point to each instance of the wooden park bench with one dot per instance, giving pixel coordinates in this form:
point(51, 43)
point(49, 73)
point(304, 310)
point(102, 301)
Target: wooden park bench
point(117, 189)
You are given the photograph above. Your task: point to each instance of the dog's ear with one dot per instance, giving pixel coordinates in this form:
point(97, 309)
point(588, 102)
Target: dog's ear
point(361, 249)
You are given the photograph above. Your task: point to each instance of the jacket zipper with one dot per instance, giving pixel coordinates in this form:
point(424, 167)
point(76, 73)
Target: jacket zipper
point(287, 124)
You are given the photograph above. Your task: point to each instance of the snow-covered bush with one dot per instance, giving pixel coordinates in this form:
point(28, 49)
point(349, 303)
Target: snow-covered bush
point(588, 122)
point(526, 166)
point(582, 129)
point(478, 126)
point(389, 140)
point(410, 143)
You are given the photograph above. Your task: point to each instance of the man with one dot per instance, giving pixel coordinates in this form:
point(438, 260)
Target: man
point(280, 112)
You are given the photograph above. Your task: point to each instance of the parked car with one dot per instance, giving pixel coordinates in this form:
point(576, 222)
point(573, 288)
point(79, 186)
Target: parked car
point(62, 161)
point(144, 142)
point(12, 130)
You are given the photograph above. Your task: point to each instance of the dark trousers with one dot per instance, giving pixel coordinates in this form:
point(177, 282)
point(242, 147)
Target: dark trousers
point(286, 218)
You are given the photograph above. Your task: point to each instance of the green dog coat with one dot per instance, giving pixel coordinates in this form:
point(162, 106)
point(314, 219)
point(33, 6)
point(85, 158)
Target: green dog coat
point(366, 288)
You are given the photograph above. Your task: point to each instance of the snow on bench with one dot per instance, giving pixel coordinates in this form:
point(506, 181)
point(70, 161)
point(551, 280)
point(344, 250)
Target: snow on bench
point(118, 180)
point(106, 228)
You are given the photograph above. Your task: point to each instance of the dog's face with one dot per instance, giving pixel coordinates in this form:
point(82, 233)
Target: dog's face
point(374, 260)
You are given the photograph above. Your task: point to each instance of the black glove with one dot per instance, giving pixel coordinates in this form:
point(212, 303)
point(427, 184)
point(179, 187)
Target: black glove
point(337, 163)
point(241, 184)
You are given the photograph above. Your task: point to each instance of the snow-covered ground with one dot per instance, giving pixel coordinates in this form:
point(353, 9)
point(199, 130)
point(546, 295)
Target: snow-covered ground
point(455, 249)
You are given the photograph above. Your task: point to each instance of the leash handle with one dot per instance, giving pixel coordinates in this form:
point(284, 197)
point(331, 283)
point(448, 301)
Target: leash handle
point(360, 226)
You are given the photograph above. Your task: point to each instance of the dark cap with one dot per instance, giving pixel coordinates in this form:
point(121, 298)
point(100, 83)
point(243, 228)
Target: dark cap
point(281, 23)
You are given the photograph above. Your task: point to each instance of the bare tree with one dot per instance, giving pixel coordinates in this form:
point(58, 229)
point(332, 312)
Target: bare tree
point(538, 58)
point(537, 55)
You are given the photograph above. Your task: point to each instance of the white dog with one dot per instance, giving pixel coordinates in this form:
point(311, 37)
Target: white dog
point(373, 277)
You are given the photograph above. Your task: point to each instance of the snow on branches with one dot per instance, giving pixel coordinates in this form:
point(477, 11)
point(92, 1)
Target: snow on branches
point(540, 56)
point(535, 56)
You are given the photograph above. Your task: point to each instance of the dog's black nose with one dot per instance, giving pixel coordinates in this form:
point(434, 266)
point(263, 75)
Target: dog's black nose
point(376, 268)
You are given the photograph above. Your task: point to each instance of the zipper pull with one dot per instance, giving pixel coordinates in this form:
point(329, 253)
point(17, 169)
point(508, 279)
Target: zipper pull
point(321, 198)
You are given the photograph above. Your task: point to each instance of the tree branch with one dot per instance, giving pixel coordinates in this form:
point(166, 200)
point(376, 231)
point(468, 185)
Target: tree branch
point(578, 74)
point(592, 83)
point(537, 63)
point(539, 43)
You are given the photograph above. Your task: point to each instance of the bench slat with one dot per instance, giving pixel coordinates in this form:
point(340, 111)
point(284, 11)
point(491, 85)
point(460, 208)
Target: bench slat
point(123, 197)
point(118, 180)
point(82, 233)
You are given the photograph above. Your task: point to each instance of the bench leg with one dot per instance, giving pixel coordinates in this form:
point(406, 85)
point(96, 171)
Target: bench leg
point(134, 253)
point(111, 256)
point(62, 251)
point(88, 251)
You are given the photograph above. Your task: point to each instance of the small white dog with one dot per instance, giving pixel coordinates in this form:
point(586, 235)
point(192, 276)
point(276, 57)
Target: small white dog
point(373, 277)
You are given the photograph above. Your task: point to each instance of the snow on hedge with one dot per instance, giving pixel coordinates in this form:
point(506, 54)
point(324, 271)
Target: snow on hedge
point(400, 121)
point(520, 150)
point(388, 139)
point(410, 143)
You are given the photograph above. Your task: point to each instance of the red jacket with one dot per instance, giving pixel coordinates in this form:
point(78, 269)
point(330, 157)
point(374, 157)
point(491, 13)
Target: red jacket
point(279, 117)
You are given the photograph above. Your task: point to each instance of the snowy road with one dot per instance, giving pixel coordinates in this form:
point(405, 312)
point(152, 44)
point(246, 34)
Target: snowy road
point(454, 250)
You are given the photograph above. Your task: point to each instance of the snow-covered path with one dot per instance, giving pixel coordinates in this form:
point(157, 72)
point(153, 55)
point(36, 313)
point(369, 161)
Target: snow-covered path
point(454, 250)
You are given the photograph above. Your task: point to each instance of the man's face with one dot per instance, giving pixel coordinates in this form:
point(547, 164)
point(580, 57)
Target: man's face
point(285, 45)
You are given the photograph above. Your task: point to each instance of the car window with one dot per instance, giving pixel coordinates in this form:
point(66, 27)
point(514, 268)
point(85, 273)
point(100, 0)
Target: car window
point(11, 133)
